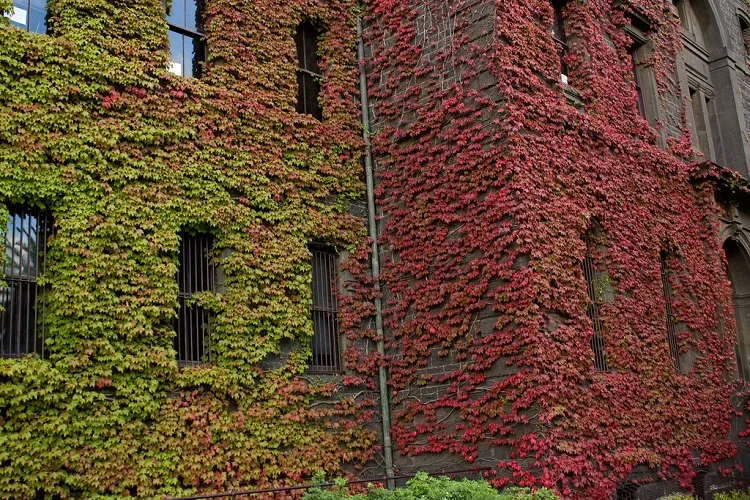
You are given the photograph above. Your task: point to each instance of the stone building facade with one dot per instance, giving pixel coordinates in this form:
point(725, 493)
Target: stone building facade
point(559, 194)
point(579, 112)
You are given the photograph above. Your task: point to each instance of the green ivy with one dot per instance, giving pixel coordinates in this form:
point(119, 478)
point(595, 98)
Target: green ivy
point(125, 155)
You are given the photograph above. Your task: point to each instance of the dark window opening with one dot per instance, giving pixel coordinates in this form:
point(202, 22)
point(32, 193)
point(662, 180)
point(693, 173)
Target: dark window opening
point(325, 312)
point(30, 15)
point(593, 307)
point(671, 325)
point(745, 31)
point(559, 36)
point(699, 484)
point(638, 81)
point(22, 300)
point(308, 74)
point(195, 274)
point(626, 492)
point(187, 45)
point(702, 106)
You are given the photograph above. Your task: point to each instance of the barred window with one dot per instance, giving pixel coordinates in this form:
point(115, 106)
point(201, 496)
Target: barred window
point(308, 74)
point(29, 15)
point(325, 310)
point(559, 36)
point(186, 41)
point(195, 274)
point(671, 326)
point(594, 286)
point(22, 300)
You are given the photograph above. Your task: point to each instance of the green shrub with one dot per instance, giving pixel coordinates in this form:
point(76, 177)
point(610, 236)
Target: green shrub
point(423, 487)
point(733, 495)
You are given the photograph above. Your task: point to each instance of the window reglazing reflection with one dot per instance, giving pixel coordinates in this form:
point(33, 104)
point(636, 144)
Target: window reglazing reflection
point(30, 15)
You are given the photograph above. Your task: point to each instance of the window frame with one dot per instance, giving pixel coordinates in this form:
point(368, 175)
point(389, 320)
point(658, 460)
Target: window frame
point(27, 26)
point(559, 36)
point(668, 293)
point(743, 21)
point(308, 105)
point(196, 35)
point(330, 315)
point(595, 298)
point(35, 328)
point(640, 51)
point(197, 332)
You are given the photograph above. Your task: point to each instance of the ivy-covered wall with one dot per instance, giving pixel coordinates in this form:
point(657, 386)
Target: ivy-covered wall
point(125, 156)
point(489, 181)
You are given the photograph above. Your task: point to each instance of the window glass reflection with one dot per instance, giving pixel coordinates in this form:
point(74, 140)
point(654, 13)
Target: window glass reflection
point(176, 13)
point(176, 48)
point(186, 43)
point(29, 15)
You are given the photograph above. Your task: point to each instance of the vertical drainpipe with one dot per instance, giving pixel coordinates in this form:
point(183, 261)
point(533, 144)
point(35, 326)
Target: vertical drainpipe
point(385, 409)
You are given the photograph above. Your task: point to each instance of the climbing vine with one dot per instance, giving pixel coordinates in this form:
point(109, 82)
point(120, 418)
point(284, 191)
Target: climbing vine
point(125, 156)
point(489, 179)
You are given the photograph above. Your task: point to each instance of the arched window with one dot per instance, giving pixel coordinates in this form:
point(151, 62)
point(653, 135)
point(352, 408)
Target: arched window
point(186, 43)
point(738, 272)
point(597, 284)
point(308, 74)
point(745, 32)
point(30, 15)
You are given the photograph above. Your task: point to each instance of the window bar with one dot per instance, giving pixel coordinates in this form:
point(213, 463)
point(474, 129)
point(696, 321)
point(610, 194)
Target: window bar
point(29, 303)
point(39, 330)
point(671, 327)
point(325, 350)
point(195, 275)
point(25, 250)
point(18, 233)
point(192, 262)
point(592, 310)
point(15, 346)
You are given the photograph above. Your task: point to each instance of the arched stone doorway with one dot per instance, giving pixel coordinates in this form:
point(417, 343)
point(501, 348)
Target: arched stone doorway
point(738, 271)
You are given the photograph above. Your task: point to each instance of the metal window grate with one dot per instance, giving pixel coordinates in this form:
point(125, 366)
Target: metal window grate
point(671, 326)
point(308, 74)
point(593, 309)
point(699, 484)
point(22, 318)
point(325, 310)
point(626, 492)
point(195, 274)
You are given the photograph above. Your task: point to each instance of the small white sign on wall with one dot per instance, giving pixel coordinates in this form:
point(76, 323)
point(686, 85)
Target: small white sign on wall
point(19, 16)
point(176, 68)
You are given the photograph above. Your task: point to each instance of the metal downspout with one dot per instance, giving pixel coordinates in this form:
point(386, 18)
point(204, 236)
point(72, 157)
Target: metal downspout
point(385, 409)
